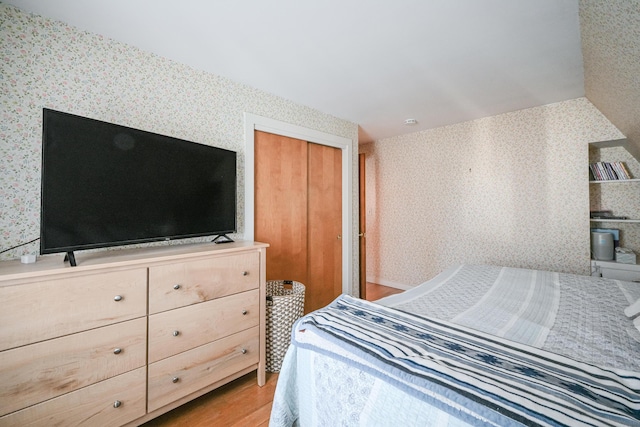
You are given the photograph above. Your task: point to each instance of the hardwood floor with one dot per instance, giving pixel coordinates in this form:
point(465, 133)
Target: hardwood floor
point(241, 402)
point(375, 291)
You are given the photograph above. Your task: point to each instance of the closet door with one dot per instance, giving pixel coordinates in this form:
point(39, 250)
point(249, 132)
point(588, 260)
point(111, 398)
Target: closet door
point(281, 204)
point(325, 225)
point(298, 211)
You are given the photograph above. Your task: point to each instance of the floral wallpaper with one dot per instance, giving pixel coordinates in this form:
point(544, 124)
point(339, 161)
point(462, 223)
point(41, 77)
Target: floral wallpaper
point(507, 190)
point(610, 35)
point(46, 63)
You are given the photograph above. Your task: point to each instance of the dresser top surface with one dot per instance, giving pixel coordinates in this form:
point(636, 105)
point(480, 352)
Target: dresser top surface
point(92, 261)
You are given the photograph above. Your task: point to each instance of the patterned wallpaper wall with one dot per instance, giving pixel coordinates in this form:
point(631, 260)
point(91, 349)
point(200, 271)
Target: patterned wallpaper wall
point(610, 34)
point(509, 190)
point(45, 63)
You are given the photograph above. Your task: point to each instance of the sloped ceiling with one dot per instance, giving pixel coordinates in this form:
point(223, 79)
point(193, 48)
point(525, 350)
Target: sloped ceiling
point(610, 32)
point(372, 62)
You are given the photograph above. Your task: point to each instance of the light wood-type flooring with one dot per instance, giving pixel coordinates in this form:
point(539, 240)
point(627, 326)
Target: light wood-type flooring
point(241, 403)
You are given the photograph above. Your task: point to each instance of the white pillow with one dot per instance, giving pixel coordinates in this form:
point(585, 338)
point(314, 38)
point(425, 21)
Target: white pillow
point(633, 310)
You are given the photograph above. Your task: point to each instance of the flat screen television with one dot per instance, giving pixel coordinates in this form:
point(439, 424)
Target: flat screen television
point(106, 185)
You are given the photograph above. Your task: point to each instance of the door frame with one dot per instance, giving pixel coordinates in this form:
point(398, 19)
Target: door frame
point(362, 226)
point(253, 122)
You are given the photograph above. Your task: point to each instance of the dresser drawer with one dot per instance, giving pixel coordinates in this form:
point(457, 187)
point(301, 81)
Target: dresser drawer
point(175, 331)
point(180, 375)
point(112, 402)
point(47, 369)
point(180, 284)
point(42, 310)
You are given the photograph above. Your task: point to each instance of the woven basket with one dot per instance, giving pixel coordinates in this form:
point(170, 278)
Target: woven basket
point(285, 305)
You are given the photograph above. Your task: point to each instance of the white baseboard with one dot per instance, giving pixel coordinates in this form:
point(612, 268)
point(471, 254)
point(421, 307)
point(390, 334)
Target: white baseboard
point(389, 283)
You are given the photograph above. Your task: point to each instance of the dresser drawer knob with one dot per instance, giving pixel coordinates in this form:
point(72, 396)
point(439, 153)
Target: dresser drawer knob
point(117, 350)
point(175, 379)
point(245, 273)
point(176, 287)
point(176, 333)
point(117, 404)
point(244, 312)
point(117, 298)
point(243, 351)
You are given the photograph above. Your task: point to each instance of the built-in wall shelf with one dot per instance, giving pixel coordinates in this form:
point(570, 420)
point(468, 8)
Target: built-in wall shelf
point(620, 197)
point(618, 143)
point(615, 270)
point(614, 180)
point(615, 220)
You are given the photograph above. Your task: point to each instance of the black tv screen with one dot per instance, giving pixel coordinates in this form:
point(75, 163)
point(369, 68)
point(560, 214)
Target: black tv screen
point(106, 185)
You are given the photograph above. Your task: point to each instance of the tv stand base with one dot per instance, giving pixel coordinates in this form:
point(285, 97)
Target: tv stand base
point(222, 238)
point(71, 258)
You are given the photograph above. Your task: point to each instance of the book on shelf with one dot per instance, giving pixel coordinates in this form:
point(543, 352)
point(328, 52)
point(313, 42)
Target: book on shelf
point(609, 171)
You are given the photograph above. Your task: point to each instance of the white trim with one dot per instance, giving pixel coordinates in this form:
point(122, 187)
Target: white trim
point(252, 123)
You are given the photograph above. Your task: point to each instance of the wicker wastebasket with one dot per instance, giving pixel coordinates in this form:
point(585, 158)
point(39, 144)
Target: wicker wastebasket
point(285, 305)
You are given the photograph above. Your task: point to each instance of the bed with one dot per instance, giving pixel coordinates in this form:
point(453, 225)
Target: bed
point(476, 345)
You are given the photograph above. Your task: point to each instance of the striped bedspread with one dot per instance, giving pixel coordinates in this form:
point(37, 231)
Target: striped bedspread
point(480, 378)
point(577, 316)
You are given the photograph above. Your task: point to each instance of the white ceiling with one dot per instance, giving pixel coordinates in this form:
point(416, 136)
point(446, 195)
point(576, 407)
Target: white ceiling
point(372, 62)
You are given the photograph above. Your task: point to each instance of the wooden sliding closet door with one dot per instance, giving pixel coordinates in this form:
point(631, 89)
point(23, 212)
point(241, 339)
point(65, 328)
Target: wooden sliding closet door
point(298, 211)
point(281, 204)
point(325, 225)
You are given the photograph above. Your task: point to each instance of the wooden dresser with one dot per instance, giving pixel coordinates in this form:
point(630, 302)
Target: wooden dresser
point(129, 334)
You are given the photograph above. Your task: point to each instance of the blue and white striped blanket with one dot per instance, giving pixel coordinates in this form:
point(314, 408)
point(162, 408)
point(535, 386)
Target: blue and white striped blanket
point(580, 317)
point(476, 377)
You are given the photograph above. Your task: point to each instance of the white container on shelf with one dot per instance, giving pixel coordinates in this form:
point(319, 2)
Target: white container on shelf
point(602, 246)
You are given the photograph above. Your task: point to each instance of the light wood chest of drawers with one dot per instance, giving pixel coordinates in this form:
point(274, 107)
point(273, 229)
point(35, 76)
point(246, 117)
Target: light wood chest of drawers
point(128, 335)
